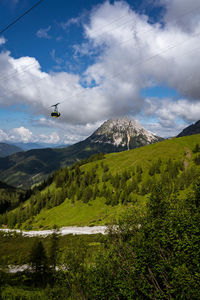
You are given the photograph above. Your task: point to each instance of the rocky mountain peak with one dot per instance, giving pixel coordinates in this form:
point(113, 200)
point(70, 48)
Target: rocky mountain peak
point(124, 133)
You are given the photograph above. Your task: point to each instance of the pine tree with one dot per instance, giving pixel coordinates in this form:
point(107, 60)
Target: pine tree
point(157, 205)
point(38, 261)
point(53, 251)
point(196, 149)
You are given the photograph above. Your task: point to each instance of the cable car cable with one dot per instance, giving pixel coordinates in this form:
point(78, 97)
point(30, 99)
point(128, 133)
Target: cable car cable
point(151, 57)
point(116, 75)
point(9, 76)
point(20, 17)
point(133, 64)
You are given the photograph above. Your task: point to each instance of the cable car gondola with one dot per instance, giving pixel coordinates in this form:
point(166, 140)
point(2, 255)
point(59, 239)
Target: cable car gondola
point(55, 113)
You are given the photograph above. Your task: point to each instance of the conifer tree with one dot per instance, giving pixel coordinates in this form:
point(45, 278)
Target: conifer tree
point(53, 251)
point(196, 148)
point(38, 261)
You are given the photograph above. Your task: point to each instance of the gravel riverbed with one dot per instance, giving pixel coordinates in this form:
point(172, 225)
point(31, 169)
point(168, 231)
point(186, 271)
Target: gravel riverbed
point(62, 231)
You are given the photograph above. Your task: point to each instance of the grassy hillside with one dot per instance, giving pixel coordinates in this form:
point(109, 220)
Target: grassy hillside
point(97, 192)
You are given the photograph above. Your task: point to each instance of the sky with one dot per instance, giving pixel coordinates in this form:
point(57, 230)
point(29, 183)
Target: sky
point(100, 60)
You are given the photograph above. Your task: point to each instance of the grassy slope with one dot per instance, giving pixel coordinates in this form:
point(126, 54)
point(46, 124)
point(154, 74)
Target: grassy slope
point(96, 212)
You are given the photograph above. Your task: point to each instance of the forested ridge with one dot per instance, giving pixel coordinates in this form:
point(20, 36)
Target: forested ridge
point(151, 250)
point(93, 179)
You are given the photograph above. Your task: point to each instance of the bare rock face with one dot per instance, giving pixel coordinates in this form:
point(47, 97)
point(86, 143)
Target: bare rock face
point(123, 133)
point(192, 129)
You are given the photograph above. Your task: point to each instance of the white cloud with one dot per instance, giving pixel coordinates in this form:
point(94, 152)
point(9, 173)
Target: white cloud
point(3, 135)
point(171, 116)
point(20, 134)
point(165, 131)
point(168, 109)
point(64, 134)
point(23, 134)
point(132, 54)
point(69, 133)
point(43, 33)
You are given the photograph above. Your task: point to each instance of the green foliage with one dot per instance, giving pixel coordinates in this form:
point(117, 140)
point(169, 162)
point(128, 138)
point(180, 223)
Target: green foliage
point(38, 258)
point(11, 197)
point(53, 250)
point(196, 149)
point(155, 167)
point(152, 256)
point(197, 159)
point(157, 204)
point(15, 293)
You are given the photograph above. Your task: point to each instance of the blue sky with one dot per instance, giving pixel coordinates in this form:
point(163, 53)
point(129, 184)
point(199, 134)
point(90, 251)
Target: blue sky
point(100, 60)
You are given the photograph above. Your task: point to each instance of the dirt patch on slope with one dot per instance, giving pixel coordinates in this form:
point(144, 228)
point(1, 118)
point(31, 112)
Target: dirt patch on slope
point(188, 156)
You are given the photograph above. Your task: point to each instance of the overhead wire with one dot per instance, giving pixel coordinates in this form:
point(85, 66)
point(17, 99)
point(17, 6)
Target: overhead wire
point(116, 20)
point(119, 73)
point(149, 30)
point(20, 17)
point(98, 29)
point(148, 59)
point(17, 71)
point(9, 76)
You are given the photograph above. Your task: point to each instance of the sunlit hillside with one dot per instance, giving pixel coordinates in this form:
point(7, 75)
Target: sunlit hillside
point(97, 192)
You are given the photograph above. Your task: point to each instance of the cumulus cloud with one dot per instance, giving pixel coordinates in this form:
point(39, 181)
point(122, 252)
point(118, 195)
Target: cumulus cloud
point(69, 133)
point(165, 131)
point(24, 135)
point(62, 134)
point(20, 134)
point(131, 54)
point(168, 110)
point(171, 116)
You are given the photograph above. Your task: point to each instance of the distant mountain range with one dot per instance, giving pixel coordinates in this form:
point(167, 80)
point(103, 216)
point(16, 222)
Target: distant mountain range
point(24, 169)
point(8, 149)
point(30, 146)
point(192, 129)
